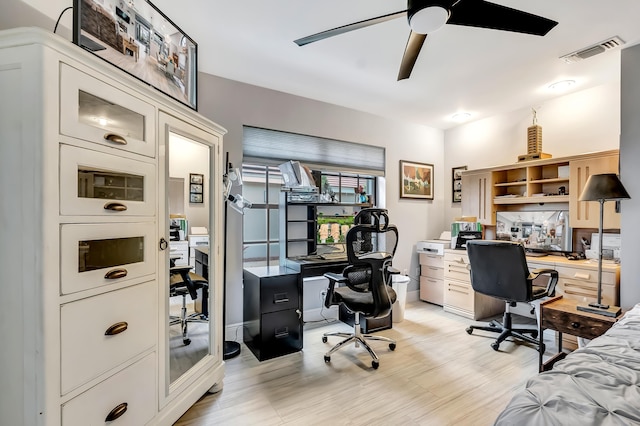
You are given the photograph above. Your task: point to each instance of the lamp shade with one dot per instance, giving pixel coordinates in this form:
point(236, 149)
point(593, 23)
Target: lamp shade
point(605, 186)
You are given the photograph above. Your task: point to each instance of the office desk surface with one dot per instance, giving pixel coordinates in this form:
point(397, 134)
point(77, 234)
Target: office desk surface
point(582, 264)
point(270, 271)
point(203, 249)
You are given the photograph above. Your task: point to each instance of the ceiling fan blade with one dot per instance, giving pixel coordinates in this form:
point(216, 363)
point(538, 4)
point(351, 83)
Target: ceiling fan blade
point(350, 27)
point(483, 14)
point(411, 52)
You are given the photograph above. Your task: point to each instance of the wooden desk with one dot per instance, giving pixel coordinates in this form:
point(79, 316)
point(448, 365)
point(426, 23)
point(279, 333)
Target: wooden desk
point(132, 46)
point(561, 314)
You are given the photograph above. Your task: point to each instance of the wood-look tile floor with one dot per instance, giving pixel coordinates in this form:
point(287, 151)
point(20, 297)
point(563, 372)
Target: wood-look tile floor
point(438, 375)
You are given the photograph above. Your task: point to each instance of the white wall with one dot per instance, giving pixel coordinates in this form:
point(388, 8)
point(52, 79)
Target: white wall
point(233, 104)
point(186, 157)
point(584, 121)
point(630, 176)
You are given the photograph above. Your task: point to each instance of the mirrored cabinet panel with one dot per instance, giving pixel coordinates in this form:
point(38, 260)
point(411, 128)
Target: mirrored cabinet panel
point(191, 226)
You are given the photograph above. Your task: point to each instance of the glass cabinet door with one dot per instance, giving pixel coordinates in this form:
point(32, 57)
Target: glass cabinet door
point(98, 112)
point(95, 183)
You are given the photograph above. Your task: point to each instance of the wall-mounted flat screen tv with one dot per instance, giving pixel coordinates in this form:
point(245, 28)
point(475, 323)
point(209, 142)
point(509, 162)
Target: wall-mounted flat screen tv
point(539, 231)
point(141, 40)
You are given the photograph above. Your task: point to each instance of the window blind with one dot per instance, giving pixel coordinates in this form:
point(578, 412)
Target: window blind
point(276, 147)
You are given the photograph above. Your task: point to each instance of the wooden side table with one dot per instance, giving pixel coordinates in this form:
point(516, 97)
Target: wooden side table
point(561, 314)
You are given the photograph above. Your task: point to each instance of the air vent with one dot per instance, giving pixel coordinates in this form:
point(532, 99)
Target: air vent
point(596, 49)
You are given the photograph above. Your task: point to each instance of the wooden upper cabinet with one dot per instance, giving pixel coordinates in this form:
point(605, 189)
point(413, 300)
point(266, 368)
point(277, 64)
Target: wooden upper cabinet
point(477, 196)
point(586, 214)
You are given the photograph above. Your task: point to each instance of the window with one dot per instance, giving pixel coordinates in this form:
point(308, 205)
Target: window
point(349, 173)
point(261, 186)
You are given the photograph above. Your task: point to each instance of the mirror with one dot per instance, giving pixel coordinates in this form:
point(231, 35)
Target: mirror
point(188, 322)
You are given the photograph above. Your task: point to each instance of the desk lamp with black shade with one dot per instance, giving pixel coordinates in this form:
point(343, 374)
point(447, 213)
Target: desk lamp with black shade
point(601, 188)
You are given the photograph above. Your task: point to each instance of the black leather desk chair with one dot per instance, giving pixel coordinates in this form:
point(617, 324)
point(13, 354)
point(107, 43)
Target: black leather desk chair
point(364, 288)
point(499, 269)
point(183, 282)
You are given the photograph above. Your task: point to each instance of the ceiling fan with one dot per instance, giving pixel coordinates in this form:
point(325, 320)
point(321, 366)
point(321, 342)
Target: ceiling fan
point(427, 16)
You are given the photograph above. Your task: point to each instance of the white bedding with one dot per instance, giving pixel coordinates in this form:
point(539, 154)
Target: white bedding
point(596, 385)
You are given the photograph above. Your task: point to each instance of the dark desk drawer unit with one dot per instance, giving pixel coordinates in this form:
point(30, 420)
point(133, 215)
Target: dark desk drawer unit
point(272, 311)
point(575, 324)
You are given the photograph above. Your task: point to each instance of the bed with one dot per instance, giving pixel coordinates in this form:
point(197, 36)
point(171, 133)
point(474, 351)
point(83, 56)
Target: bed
point(598, 384)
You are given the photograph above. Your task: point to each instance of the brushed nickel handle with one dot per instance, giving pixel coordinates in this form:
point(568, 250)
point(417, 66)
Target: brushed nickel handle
point(112, 137)
point(116, 328)
point(118, 411)
point(114, 274)
point(116, 207)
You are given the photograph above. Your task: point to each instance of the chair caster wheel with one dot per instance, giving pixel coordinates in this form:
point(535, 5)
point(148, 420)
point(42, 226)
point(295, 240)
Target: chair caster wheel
point(327, 358)
point(324, 339)
point(495, 346)
point(534, 334)
point(392, 346)
point(375, 364)
point(469, 330)
point(186, 342)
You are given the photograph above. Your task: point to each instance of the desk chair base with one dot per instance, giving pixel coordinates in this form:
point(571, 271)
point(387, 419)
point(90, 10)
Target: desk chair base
point(506, 330)
point(185, 319)
point(359, 339)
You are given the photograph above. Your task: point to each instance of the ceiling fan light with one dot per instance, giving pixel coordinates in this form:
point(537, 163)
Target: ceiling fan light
point(428, 20)
point(562, 85)
point(460, 116)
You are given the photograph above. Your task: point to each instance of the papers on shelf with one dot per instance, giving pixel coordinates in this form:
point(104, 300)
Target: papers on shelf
point(507, 196)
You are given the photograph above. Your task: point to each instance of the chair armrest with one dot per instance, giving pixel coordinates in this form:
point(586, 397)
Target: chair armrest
point(551, 285)
point(392, 271)
point(333, 279)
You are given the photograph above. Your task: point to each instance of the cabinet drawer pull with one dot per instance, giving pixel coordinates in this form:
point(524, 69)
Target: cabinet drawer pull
point(116, 207)
point(281, 333)
point(116, 328)
point(114, 274)
point(575, 324)
point(117, 412)
point(581, 276)
point(112, 137)
point(280, 298)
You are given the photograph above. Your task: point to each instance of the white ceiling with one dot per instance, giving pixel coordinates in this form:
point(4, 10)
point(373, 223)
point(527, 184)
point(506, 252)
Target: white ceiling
point(484, 72)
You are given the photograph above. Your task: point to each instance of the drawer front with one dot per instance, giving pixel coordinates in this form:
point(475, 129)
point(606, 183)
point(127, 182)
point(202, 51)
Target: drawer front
point(133, 386)
point(431, 260)
point(457, 271)
point(88, 344)
point(432, 290)
point(577, 325)
point(95, 111)
point(586, 275)
point(281, 333)
point(94, 255)
point(431, 272)
point(458, 295)
point(279, 293)
point(179, 252)
point(586, 291)
point(458, 256)
point(95, 184)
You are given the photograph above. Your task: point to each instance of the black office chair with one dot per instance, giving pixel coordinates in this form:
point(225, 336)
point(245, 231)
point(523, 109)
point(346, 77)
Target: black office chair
point(499, 269)
point(364, 288)
point(183, 282)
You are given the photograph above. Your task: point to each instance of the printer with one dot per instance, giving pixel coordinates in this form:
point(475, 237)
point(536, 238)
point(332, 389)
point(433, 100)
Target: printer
point(435, 247)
